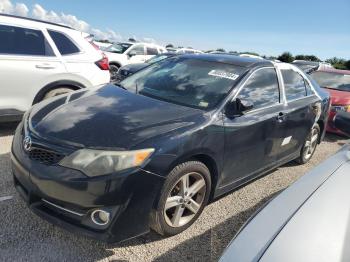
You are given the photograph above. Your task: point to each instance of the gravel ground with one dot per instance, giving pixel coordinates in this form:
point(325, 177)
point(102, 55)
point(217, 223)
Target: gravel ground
point(25, 237)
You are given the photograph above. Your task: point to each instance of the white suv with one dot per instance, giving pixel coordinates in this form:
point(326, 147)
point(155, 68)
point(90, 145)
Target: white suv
point(121, 54)
point(40, 60)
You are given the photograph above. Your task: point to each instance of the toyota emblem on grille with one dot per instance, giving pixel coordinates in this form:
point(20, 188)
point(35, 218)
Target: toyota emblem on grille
point(27, 143)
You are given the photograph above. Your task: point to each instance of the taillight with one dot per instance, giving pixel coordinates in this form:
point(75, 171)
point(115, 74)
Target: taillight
point(103, 64)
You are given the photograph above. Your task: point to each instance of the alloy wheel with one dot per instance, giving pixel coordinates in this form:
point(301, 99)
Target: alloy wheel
point(185, 199)
point(113, 70)
point(311, 143)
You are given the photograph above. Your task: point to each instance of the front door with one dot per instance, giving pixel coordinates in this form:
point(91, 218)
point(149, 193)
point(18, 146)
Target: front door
point(248, 137)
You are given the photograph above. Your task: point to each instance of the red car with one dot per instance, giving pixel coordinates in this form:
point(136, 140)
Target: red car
point(337, 83)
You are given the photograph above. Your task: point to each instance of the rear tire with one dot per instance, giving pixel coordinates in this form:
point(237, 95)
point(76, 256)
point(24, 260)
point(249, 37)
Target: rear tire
point(57, 91)
point(184, 195)
point(113, 70)
point(310, 144)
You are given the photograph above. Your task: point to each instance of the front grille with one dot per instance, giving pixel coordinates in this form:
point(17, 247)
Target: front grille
point(44, 156)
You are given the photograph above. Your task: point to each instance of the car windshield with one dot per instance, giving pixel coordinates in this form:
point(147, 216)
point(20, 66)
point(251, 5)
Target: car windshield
point(118, 48)
point(156, 59)
point(332, 80)
point(190, 82)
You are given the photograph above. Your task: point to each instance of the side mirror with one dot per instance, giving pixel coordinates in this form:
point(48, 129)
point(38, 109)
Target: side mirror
point(132, 53)
point(342, 122)
point(237, 108)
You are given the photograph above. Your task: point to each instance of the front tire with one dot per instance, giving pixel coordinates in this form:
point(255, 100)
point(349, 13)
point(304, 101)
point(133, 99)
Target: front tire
point(57, 91)
point(310, 145)
point(184, 195)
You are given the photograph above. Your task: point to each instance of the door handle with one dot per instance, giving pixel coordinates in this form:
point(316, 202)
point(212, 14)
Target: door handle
point(281, 117)
point(45, 66)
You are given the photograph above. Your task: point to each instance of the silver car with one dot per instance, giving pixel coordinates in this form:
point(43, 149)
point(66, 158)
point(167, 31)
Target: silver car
point(309, 221)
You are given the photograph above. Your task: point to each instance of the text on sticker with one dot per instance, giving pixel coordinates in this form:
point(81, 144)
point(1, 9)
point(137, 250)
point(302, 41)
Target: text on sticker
point(223, 74)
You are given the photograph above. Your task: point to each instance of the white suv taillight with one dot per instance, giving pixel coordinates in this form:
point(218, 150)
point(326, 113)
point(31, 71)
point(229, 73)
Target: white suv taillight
point(103, 64)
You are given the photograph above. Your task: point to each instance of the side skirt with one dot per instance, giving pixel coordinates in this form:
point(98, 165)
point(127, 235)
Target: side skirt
point(246, 180)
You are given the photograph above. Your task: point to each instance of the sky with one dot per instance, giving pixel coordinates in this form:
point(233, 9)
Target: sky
point(268, 27)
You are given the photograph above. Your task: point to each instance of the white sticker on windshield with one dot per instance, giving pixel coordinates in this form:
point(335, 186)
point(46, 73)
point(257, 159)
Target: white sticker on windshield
point(203, 104)
point(223, 74)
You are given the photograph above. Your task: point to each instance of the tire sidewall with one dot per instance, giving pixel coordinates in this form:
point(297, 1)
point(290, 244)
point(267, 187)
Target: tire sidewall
point(66, 88)
point(302, 155)
point(173, 177)
point(114, 68)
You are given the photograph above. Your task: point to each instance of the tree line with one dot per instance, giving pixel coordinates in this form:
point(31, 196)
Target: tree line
point(287, 57)
point(336, 62)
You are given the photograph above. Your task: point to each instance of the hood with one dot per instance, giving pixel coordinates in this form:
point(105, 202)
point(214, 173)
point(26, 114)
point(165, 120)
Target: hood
point(132, 68)
point(107, 117)
point(339, 97)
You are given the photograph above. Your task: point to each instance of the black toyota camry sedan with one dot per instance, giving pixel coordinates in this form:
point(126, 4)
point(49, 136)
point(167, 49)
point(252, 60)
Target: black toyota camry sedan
point(116, 161)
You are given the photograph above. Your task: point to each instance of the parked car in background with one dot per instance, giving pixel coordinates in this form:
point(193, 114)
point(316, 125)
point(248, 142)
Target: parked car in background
point(121, 54)
point(309, 221)
point(251, 56)
point(183, 50)
point(130, 69)
point(151, 153)
point(172, 49)
point(337, 83)
point(222, 53)
point(39, 60)
point(102, 45)
point(188, 51)
point(309, 66)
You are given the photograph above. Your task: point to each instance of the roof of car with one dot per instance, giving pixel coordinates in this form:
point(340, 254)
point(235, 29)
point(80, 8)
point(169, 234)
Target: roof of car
point(231, 59)
point(36, 20)
point(335, 71)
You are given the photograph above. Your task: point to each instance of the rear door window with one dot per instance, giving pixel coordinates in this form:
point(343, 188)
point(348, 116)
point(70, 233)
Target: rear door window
point(152, 51)
point(23, 41)
point(261, 89)
point(294, 84)
point(138, 50)
point(64, 45)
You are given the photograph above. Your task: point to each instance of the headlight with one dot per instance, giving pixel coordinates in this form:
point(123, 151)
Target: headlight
point(340, 108)
point(97, 162)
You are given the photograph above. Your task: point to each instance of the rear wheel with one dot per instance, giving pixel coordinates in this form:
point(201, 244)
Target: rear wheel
point(57, 91)
point(183, 198)
point(310, 145)
point(113, 70)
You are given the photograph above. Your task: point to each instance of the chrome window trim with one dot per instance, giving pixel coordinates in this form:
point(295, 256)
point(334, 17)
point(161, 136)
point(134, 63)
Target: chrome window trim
point(285, 66)
point(262, 108)
point(301, 98)
point(235, 91)
point(251, 75)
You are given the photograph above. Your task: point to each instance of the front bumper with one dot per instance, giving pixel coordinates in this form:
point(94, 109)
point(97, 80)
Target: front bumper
point(67, 197)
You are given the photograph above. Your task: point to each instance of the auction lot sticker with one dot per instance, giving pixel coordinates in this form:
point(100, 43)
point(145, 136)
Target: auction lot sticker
point(223, 74)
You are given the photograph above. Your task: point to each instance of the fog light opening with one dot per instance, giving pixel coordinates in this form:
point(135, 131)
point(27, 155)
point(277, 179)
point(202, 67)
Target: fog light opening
point(100, 217)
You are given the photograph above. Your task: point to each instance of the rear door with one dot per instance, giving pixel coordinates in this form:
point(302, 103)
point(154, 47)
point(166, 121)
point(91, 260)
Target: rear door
point(27, 62)
point(249, 138)
point(302, 110)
